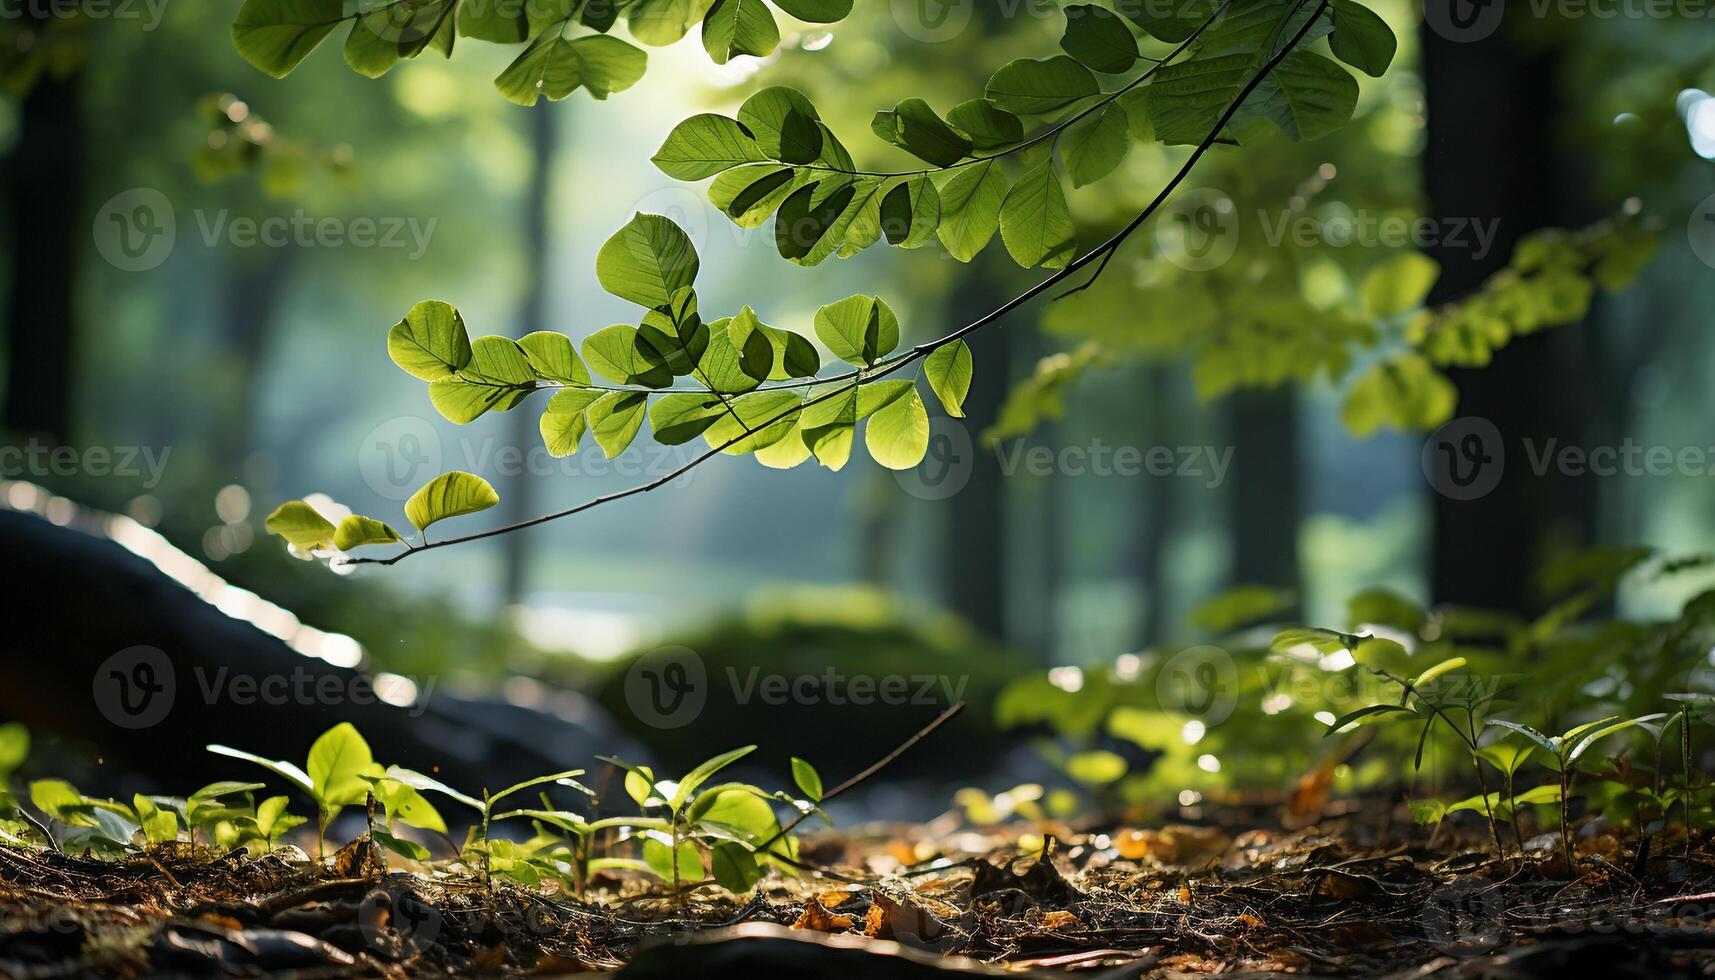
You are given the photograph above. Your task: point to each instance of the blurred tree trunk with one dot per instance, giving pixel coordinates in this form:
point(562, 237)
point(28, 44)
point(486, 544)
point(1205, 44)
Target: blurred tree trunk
point(48, 233)
point(1494, 154)
point(1156, 516)
point(519, 497)
point(1263, 489)
point(976, 549)
point(249, 302)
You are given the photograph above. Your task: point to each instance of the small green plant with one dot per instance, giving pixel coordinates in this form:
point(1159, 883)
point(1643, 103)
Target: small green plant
point(505, 857)
point(1562, 752)
point(734, 823)
point(340, 772)
point(1423, 698)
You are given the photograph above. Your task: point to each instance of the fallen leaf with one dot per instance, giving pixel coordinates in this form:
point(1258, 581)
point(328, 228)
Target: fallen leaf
point(817, 918)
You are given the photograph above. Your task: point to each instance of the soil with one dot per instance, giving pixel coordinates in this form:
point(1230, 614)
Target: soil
point(1350, 896)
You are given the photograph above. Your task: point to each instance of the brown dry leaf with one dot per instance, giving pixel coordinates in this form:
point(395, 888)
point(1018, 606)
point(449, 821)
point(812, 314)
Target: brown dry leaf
point(1181, 845)
point(817, 918)
point(1185, 894)
point(1250, 921)
point(490, 960)
point(1041, 881)
point(357, 859)
point(888, 919)
point(1604, 845)
point(1310, 797)
point(833, 899)
point(1059, 919)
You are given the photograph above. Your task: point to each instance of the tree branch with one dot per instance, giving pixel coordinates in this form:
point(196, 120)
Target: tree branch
point(1101, 253)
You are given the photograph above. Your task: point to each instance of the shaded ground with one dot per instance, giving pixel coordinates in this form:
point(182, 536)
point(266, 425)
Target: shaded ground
point(1328, 900)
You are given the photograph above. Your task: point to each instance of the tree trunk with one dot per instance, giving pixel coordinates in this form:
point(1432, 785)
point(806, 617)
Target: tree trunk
point(44, 188)
point(1493, 155)
point(1263, 489)
point(519, 496)
point(976, 517)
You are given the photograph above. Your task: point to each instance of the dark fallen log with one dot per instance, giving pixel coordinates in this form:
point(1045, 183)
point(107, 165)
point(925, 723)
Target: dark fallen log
point(100, 646)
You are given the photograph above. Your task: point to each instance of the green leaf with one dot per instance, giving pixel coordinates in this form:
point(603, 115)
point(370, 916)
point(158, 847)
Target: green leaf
point(1240, 606)
point(286, 770)
point(449, 495)
point(429, 784)
point(1426, 812)
point(1186, 99)
point(735, 27)
point(502, 23)
point(1035, 222)
point(408, 849)
point(808, 779)
point(616, 418)
point(386, 32)
point(859, 330)
point(647, 261)
point(430, 343)
point(910, 213)
point(988, 125)
point(1099, 39)
point(897, 436)
point(14, 748)
point(1352, 717)
point(338, 761)
point(813, 221)
point(684, 865)
point(784, 124)
point(404, 803)
point(1506, 757)
point(356, 531)
point(733, 867)
point(700, 775)
point(916, 128)
point(559, 777)
point(1405, 393)
point(562, 424)
point(160, 825)
point(769, 353)
point(1444, 667)
point(553, 358)
point(750, 195)
point(1171, 22)
point(1362, 39)
point(556, 67)
point(1096, 768)
point(971, 202)
point(816, 11)
point(1549, 745)
point(1307, 96)
point(1583, 743)
point(705, 145)
point(301, 526)
point(754, 422)
point(620, 354)
point(1097, 146)
point(1034, 87)
point(1399, 285)
point(678, 418)
point(949, 369)
point(275, 35)
point(662, 22)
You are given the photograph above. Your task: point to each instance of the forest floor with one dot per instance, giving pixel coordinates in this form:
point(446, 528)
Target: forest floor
point(1348, 896)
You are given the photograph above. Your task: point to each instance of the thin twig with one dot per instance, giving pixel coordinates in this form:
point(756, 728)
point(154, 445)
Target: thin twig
point(1100, 252)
